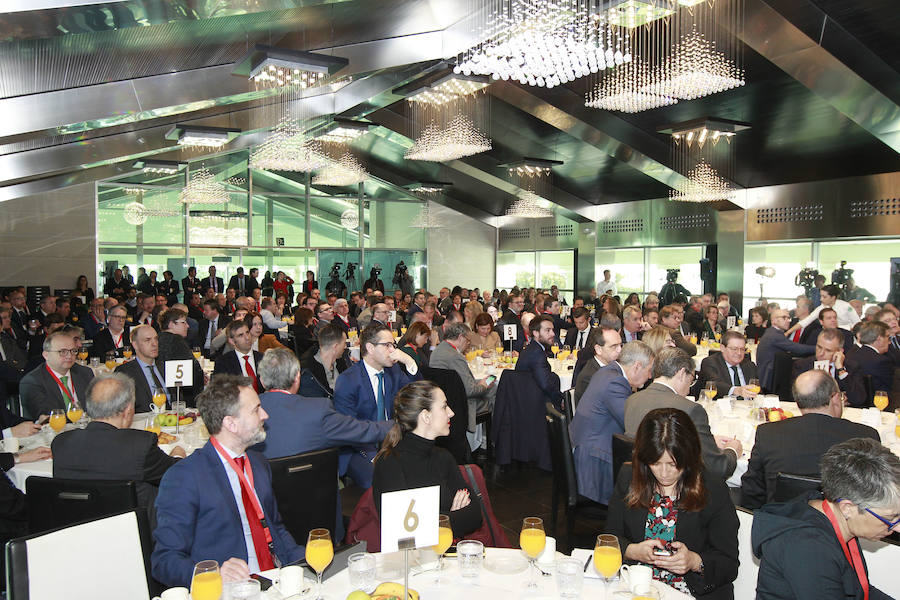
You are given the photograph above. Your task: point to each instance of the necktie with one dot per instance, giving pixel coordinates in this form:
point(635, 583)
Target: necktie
point(251, 373)
point(736, 379)
point(578, 341)
point(12, 333)
point(155, 378)
point(379, 398)
point(241, 284)
point(895, 341)
point(263, 556)
point(64, 379)
point(210, 332)
point(797, 335)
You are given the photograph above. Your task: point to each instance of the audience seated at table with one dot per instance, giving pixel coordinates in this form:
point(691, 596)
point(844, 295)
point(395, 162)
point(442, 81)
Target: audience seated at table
point(796, 445)
point(577, 335)
point(871, 359)
point(809, 548)
point(323, 362)
point(827, 320)
point(195, 507)
point(261, 341)
point(173, 345)
point(672, 316)
point(711, 326)
point(304, 338)
point(512, 315)
point(409, 458)
point(603, 347)
point(210, 326)
point(674, 376)
point(601, 413)
point(889, 318)
point(829, 349)
point(243, 359)
point(731, 369)
point(114, 337)
point(658, 337)
point(146, 372)
point(415, 342)
point(13, 358)
point(533, 358)
point(774, 341)
point(759, 322)
point(58, 382)
point(666, 497)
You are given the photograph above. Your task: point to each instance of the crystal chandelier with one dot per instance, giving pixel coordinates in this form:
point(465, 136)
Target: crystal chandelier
point(218, 235)
point(202, 138)
point(136, 213)
point(697, 69)
point(203, 188)
point(698, 151)
point(624, 90)
point(533, 177)
point(428, 192)
point(288, 149)
point(703, 184)
point(268, 66)
point(426, 219)
point(344, 171)
point(350, 219)
point(529, 206)
point(544, 43)
point(460, 138)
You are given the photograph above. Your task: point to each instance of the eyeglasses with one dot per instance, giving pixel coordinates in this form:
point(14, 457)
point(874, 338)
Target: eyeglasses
point(386, 344)
point(181, 322)
point(66, 351)
point(889, 524)
point(117, 317)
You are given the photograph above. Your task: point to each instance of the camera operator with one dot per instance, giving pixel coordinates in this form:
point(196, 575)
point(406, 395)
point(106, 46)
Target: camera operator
point(374, 283)
point(402, 279)
point(335, 285)
point(854, 292)
point(672, 288)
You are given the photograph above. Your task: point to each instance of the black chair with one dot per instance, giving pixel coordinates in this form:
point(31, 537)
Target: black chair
point(306, 490)
point(782, 375)
point(54, 502)
point(17, 572)
point(869, 389)
point(565, 481)
point(569, 405)
point(518, 426)
point(485, 418)
point(622, 449)
point(452, 386)
point(789, 486)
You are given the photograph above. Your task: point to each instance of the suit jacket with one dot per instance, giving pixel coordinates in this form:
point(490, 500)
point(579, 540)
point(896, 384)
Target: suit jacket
point(572, 337)
point(19, 324)
point(714, 368)
point(773, 341)
point(811, 334)
point(92, 327)
point(354, 396)
point(198, 518)
point(584, 376)
point(103, 343)
point(174, 347)
point(511, 318)
point(103, 451)
point(143, 395)
point(111, 285)
point(446, 356)
point(600, 414)
point(16, 358)
point(13, 510)
point(684, 344)
point(345, 326)
point(206, 283)
point(850, 384)
point(235, 284)
point(188, 286)
point(793, 446)
point(533, 358)
point(640, 334)
point(718, 462)
point(229, 363)
point(711, 532)
point(40, 394)
point(204, 324)
point(866, 361)
point(169, 289)
point(313, 382)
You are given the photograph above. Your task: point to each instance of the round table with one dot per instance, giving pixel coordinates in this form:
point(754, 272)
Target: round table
point(562, 368)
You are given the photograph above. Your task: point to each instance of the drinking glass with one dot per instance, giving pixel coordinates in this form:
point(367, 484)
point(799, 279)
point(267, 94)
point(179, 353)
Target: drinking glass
point(650, 593)
point(159, 400)
point(554, 349)
point(753, 386)
point(470, 555)
point(704, 339)
point(196, 352)
point(881, 399)
point(111, 360)
point(127, 352)
point(206, 583)
point(607, 557)
point(74, 413)
point(95, 362)
point(319, 554)
point(532, 540)
point(710, 390)
point(57, 419)
point(569, 577)
point(445, 540)
point(248, 589)
point(361, 568)
point(82, 354)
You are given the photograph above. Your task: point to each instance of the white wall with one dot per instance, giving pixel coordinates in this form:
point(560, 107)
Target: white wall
point(49, 239)
point(461, 253)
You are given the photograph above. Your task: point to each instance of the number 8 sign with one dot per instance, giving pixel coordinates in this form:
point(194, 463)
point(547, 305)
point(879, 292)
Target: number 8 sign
point(410, 514)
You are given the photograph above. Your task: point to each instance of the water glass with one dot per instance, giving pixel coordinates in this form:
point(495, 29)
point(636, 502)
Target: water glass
point(470, 555)
point(569, 577)
point(247, 589)
point(361, 567)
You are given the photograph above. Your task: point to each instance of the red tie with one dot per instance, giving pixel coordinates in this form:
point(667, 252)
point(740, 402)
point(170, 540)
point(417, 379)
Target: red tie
point(263, 556)
point(797, 334)
point(251, 373)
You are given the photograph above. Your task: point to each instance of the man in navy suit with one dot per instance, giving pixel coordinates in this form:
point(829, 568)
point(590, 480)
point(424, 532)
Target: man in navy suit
point(773, 341)
point(243, 360)
point(209, 326)
point(533, 358)
point(212, 282)
point(871, 359)
point(208, 504)
point(366, 391)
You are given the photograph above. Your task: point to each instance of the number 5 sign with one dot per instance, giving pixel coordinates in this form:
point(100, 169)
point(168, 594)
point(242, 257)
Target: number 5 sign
point(179, 372)
point(410, 514)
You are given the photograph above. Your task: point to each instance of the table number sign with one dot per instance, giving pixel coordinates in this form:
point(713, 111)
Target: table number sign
point(509, 332)
point(410, 514)
point(179, 372)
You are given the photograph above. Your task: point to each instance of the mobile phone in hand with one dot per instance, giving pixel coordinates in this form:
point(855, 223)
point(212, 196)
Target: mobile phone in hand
point(666, 550)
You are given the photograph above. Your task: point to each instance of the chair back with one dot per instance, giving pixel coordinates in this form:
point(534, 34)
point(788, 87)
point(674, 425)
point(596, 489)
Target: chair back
point(519, 426)
point(748, 569)
point(305, 487)
point(869, 389)
point(789, 486)
point(452, 386)
point(112, 556)
point(55, 502)
point(565, 483)
point(622, 449)
point(782, 373)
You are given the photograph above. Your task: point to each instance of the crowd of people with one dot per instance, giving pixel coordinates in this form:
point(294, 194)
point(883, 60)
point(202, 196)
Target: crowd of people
point(286, 380)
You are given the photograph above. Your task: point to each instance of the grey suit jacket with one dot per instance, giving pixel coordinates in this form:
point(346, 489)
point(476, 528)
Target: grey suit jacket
point(718, 462)
point(446, 356)
point(684, 344)
point(40, 393)
point(590, 367)
point(714, 368)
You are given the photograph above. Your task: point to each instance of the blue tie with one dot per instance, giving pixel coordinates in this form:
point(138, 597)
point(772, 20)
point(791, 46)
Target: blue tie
point(379, 398)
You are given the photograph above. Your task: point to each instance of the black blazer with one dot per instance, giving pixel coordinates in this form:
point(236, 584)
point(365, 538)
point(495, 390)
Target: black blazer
point(170, 290)
point(223, 321)
point(811, 334)
point(793, 446)
point(572, 336)
point(229, 363)
point(175, 347)
point(714, 368)
point(711, 532)
point(103, 343)
point(313, 383)
point(40, 393)
point(14, 516)
point(583, 379)
point(189, 286)
point(235, 284)
point(866, 361)
point(143, 395)
point(207, 283)
point(850, 385)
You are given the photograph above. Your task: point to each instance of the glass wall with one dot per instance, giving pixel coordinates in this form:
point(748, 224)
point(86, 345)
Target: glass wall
point(643, 270)
point(869, 259)
point(684, 258)
point(543, 268)
point(626, 266)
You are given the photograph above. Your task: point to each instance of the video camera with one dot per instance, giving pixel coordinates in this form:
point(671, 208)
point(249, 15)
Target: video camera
point(841, 276)
point(806, 278)
point(377, 270)
point(400, 268)
point(672, 275)
point(350, 271)
point(335, 272)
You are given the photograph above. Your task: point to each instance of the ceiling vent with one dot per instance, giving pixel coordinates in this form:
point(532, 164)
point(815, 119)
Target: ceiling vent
point(557, 231)
point(622, 226)
point(516, 233)
point(790, 214)
point(702, 221)
point(875, 208)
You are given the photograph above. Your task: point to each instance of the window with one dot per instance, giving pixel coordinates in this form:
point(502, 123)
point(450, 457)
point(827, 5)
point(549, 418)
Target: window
point(685, 258)
point(626, 266)
point(787, 260)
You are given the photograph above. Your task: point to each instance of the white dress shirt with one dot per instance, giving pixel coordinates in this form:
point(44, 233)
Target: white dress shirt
point(243, 362)
point(606, 287)
point(235, 483)
point(846, 315)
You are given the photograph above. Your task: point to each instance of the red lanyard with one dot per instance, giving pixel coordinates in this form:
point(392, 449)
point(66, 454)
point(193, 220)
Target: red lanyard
point(65, 389)
point(245, 476)
point(118, 342)
point(850, 552)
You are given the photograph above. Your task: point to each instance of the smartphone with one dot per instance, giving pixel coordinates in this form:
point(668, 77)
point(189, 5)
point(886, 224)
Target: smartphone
point(666, 550)
point(490, 379)
point(264, 582)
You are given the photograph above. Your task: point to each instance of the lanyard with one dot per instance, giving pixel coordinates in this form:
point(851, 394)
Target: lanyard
point(852, 554)
point(118, 342)
point(68, 394)
point(245, 476)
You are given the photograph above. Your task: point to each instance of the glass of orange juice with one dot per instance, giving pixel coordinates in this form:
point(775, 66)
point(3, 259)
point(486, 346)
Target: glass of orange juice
point(57, 419)
point(74, 413)
point(532, 540)
point(159, 400)
point(110, 360)
point(881, 399)
point(319, 554)
point(206, 583)
point(82, 354)
point(607, 557)
point(445, 540)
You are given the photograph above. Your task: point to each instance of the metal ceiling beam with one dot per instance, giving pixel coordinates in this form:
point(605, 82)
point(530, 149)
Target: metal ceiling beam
point(785, 45)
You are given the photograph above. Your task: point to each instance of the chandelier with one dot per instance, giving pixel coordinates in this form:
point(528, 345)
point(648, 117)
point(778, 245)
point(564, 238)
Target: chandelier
point(268, 66)
point(704, 184)
point(136, 213)
point(202, 138)
point(544, 43)
point(533, 177)
point(458, 139)
point(428, 192)
point(203, 188)
point(288, 149)
point(350, 219)
point(698, 151)
point(529, 206)
point(697, 69)
point(344, 171)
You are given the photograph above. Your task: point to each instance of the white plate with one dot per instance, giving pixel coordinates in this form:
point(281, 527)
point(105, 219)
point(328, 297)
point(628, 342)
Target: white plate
point(509, 563)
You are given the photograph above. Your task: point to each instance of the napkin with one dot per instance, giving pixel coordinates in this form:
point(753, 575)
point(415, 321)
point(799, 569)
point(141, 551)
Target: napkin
point(586, 556)
point(871, 417)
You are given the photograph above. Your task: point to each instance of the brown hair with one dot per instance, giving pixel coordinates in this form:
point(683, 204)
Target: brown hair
point(303, 316)
point(409, 402)
point(483, 318)
point(667, 430)
point(170, 316)
point(415, 329)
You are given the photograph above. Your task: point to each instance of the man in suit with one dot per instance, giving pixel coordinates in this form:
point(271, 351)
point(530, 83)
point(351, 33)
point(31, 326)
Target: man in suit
point(827, 320)
point(211, 325)
point(342, 316)
point(116, 285)
point(13, 358)
point(96, 318)
point(243, 360)
point(114, 337)
point(693, 314)
point(366, 391)
point(190, 284)
point(675, 374)
point(19, 317)
point(59, 382)
point(601, 413)
point(604, 346)
point(108, 448)
point(513, 316)
point(633, 326)
point(145, 370)
point(533, 358)
point(889, 318)
point(731, 369)
point(240, 283)
point(208, 503)
point(417, 306)
point(796, 445)
point(212, 282)
point(321, 364)
point(871, 359)
point(577, 336)
point(773, 341)
point(143, 314)
point(671, 316)
point(829, 350)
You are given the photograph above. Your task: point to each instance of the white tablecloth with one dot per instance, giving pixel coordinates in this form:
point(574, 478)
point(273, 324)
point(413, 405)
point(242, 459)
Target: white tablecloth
point(563, 370)
point(488, 586)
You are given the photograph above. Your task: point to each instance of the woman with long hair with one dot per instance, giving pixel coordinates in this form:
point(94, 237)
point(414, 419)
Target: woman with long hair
point(471, 310)
point(759, 322)
point(711, 324)
point(668, 514)
point(310, 283)
point(483, 336)
point(658, 337)
point(413, 342)
point(304, 338)
point(409, 459)
point(261, 341)
point(633, 299)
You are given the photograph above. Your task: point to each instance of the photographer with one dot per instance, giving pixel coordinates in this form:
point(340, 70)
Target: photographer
point(672, 288)
point(335, 285)
point(402, 279)
point(374, 283)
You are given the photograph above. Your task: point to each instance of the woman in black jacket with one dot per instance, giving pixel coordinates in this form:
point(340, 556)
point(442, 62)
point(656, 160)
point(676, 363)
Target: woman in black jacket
point(409, 459)
point(668, 514)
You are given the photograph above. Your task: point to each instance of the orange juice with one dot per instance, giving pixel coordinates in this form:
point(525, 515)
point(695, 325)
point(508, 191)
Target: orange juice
point(532, 541)
point(197, 355)
point(881, 402)
point(159, 399)
point(607, 560)
point(153, 426)
point(319, 554)
point(110, 364)
point(752, 388)
point(127, 354)
point(57, 421)
point(75, 414)
point(206, 586)
point(554, 349)
point(445, 540)
point(82, 355)
point(897, 431)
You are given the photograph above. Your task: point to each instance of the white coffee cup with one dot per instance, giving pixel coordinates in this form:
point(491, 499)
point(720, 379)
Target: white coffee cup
point(548, 556)
point(176, 593)
point(290, 580)
point(10, 444)
point(637, 577)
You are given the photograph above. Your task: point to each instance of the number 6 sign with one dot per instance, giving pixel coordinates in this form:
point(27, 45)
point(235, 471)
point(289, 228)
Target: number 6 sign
point(179, 372)
point(410, 514)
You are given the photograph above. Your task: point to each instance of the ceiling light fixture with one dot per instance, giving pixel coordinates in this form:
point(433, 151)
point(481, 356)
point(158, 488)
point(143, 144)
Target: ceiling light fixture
point(448, 88)
point(203, 188)
point(708, 165)
point(195, 136)
point(160, 167)
point(701, 131)
point(268, 66)
point(344, 171)
point(344, 131)
point(460, 138)
point(634, 13)
point(531, 166)
point(534, 178)
point(529, 205)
